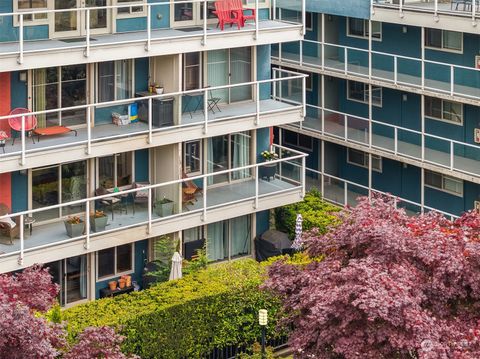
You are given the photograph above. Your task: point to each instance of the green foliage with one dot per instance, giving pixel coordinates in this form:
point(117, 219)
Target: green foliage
point(164, 248)
point(211, 308)
point(200, 262)
point(257, 353)
point(316, 213)
point(299, 259)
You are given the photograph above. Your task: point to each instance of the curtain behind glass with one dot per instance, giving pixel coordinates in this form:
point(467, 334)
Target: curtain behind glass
point(217, 241)
point(217, 69)
point(106, 81)
point(39, 96)
point(124, 78)
point(452, 40)
point(241, 154)
point(240, 69)
point(240, 231)
point(83, 276)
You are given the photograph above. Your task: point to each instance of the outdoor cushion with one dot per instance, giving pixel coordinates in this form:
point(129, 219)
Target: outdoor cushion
point(8, 221)
point(54, 130)
point(141, 193)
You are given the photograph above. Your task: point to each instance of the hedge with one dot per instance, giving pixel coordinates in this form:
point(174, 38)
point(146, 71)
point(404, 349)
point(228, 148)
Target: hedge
point(315, 211)
point(213, 308)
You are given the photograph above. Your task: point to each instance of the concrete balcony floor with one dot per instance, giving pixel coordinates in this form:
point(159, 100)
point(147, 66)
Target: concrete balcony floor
point(103, 132)
point(443, 6)
point(465, 164)
point(54, 232)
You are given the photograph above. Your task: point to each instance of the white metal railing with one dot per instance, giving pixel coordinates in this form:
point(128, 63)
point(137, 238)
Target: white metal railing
point(390, 68)
point(86, 13)
point(253, 173)
point(346, 189)
point(355, 129)
point(457, 8)
point(254, 86)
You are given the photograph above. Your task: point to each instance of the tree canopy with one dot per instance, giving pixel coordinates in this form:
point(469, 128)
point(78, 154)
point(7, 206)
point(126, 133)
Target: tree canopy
point(390, 286)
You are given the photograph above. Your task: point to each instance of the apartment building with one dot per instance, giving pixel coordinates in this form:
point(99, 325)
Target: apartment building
point(148, 112)
point(392, 101)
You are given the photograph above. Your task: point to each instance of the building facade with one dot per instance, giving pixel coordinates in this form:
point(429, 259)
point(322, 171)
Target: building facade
point(147, 112)
point(392, 101)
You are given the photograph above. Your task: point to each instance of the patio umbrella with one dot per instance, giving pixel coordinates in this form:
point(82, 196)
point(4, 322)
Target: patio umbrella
point(297, 243)
point(176, 272)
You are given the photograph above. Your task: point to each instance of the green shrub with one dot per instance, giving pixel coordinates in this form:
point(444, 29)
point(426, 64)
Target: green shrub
point(211, 308)
point(256, 353)
point(316, 213)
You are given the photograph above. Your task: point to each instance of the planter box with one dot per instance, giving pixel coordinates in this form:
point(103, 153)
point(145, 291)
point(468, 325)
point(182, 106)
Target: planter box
point(268, 171)
point(98, 224)
point(74, 230)
point(164, 209)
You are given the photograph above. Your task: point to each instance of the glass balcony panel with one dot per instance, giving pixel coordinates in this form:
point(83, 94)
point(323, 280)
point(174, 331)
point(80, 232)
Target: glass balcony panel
point(409, 143)
point(409, 71)
point(383, 136)
point(383, 66)
point(313, 120)
point(313, 180)
point(335, 124)
point(437, 76)
point(290, 51)
point(411, 209)
point(467, 82)
point(354, 192)
point(467, 158)
point(334, 57)
point(437, 151)
point(166, 200)
point(312, 53)
point(357, 130)
point(334, 190)
point(357, 62)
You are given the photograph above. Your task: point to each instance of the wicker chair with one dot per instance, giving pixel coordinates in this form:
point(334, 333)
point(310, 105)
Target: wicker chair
point(6, 228)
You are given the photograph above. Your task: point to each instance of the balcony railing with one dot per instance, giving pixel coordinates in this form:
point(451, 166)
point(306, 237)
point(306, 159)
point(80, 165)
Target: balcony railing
point(449, 79)
point(396, 140)
point(344, 192)
point(88, 36)
point(244, 184)
point(464, 8)
point(88, 135)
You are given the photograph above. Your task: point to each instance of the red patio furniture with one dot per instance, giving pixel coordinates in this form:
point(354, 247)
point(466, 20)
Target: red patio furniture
point(240, 12)
point(225, 14)
point(15, 123)
point(52, 131)
point(3, 140)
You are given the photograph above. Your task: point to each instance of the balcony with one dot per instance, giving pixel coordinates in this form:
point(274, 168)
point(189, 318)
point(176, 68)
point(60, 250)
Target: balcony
point(59, 36)
point(343, 192)
point(224, 194)
point(188, 121)
point(438, 79)
point(455, 15)
point(396, 142)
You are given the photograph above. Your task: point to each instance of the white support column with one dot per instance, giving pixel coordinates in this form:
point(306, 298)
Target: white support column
point(304, 18)
point(395, 70)
point(205, 6)
point(86, 245)
point(149, 28)
point(22, 160)
point(205, 110)
point(423, 56)
point(322, 95)
point(304, 170)
point(474, 9)
point(345, 58)
point(322, 167)
point(301, 52)
point(452, 155)
point(256, 20)
point(150, 116)
point(257, 103)
point(369, 176)
point(304, 97)
point(370, 49)
point(87, 31)
point(370, 116)
point(274, 9)
point(435, 13)
point(22, 239)
point(89, 131)
point(395, 139)
point(323, 41)
point(20, 40)
point(255, 205)
point(452, 80)
point(422, 189)
point(149, 208)
point(422, 119)
point(205, 183)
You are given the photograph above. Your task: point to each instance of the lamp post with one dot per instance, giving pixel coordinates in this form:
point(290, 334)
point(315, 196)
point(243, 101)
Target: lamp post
point(263, 320)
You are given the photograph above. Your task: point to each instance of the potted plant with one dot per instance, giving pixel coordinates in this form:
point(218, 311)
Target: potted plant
point(112, 285)
point(268, 170)
point(164, 207)
point(74, 226)
point(98, 221)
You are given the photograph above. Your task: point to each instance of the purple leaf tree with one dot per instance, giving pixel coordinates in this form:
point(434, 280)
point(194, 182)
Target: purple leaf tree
point(390, 286)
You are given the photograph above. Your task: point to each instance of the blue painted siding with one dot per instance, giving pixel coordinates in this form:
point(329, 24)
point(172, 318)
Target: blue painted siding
point(141, 255)
point(264, 70)
point(19, 192)
point(263, 219)
point(141, 165)
point(18, 90)
point(8, 32)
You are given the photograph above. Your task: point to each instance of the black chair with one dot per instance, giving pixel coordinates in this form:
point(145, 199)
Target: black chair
point(107, 202)
point(212, 102)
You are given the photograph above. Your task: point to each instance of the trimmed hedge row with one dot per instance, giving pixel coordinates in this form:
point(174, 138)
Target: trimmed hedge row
point(213, 308)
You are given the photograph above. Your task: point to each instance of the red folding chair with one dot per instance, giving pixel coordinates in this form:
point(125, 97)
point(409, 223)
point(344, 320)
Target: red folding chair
point(15, 123)
point(241, 12)
point(224, 14)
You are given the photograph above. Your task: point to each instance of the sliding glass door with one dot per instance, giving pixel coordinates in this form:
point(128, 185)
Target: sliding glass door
point(71, 275)
point(228, 67)
point(229, 239)
point(55, 185)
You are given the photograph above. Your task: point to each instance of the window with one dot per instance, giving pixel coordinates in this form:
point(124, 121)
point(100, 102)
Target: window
point(298, 140)
point(360, 158)
point(56, 87)
point(136, 9)
point(192, 71)
point(192, 157)
point(114, 80)
point(31, 5)
point(438, 109)
point(116, 170)
point(115, 261)
point(444, 40)
point(193, 241)
point(444, 183)
point(229, 239)
point(358, 91)
point(359, 28)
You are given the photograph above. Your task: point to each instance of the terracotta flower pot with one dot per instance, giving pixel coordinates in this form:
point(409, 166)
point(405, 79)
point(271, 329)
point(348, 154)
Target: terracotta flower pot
point(128, 280)
point(112, 285)
point(121, 283)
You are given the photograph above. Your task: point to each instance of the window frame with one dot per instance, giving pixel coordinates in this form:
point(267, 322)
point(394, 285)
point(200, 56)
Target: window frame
point(442, 48)
point(116, 274)
point(365, 30)
point(131, 69)
point(200, 159)
point(115, 169)
point(130, 14)
point(297, 144)
point(442, 110)
point(365, 94)
point(200, 70)
point(378, 158)
point(33, 22)
point(444, 177)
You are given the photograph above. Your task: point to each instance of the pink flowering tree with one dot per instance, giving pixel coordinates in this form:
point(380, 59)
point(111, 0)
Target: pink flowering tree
point(390, 286)
point(24, 334)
